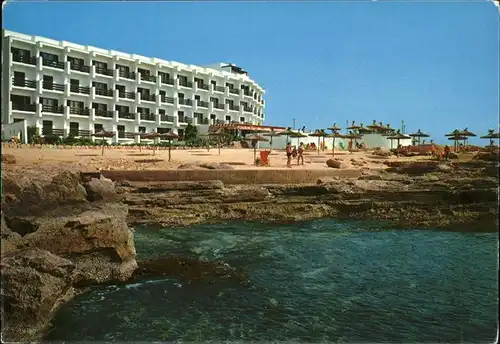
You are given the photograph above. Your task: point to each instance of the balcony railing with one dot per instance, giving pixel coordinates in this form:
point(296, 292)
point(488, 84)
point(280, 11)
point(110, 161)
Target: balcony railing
point(248, 93)
point(167, 118)
point(24, 83)
point(79, 133)
point(234, 107)
point(220, 121)
point(169, 100)
point(148, 117)
point(79, 111)
point(203, 87)
point(247, 109)
point(53, 87)
point(127, 95)
point(24, 107)
point(148, 97)
point(234, 91)
point(167, 81)
point(78, 89)
point(202, 103)
point(102, 92)
point(104, 71)
point(150, 78)
point(128, 115)
point(53, 64)
point(79, 68)
point(125, 135)
point(203, 121)
point(53, 108)
point(52, 131)
point(127, 75)
point(185, 83)
point(184, 119)
point(218, 106)
point(219, 89)
point(104, 113)
point(184, 101)
point(24, 59)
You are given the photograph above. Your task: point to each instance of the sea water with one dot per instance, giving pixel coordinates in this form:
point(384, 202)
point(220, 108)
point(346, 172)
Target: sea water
point(317, 281)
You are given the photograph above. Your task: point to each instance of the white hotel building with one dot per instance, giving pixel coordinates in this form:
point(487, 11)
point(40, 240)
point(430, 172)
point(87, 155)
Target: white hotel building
point(70, 89)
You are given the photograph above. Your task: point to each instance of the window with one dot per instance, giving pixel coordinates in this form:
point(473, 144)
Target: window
point(198, 115)
point(73, 128)
point(180, 113)
point(214, 100)
point(144, 111)
point(120, 88)
point(48, 79)
point(213, 82)
point(21, 52)
point(242, 119)
point(74, 82)
point(163, 94)
point(47, 127)
point(98, 127)
point(163, 76)
point(212, 116)
point(73, 61)
point(99, 85)
point(100, 107)
point(123, 69)
point(144, 72)
point(142, 129)
point(122, 109)
point(18, 120)
point(229, 85)
point(49, 57)
point(228, 118)
point(181, 95)
point(197, 97)
point(162, 112)
point(162, 130)
point(48, 101)
point(16, 99)
point(19, 76)
point(75, 104)
point(180, 132)
point(143, 91)
point(99, 64)
point(230, 102)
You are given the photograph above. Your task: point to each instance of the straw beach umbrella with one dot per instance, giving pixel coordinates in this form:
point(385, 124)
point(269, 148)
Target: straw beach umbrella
point(466, 133)
point(335, 135)
point(287, 133)
point(319, 134)
point(104, 134)
point(153, 135)
point(352, 136)
point(256, 138)
point(169, 137)
point(491, 136)
point(334, 127)
point(398, 136)
point(271, 134)
point(374, 126)
point(418, 135)
point(218, 133)
point(298, 135)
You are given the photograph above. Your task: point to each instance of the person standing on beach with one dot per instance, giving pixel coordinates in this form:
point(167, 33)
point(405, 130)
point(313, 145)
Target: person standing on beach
point(288, 150)
point(446, 152)
point(300, 153)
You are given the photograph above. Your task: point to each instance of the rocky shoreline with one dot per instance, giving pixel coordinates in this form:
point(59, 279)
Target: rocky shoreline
point(60, 237)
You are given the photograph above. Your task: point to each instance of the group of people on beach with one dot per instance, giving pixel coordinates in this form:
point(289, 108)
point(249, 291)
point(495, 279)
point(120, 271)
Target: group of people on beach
point(295, 153)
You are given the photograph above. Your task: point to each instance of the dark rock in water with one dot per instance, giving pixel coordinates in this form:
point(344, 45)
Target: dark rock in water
point(187, 269)
point(34, 281)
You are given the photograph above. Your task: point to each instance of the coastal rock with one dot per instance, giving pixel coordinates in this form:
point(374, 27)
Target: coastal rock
point(381, 152)
point(444, 168)
point(253, 194)
point(34, 281)
point(357, 162)
point(205, 166)
point(412, 167)
point(8, 159)
point(181, 185)
point(487, 156)
point(102, 189)
point(333, 163)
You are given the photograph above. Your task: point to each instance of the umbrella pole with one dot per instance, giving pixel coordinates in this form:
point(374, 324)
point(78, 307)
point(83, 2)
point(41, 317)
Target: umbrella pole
point(255, 155)
point(271, 145)
point(319, 139)
point(218, 144)
point(333, 147)
point(102, 152)
point(169, 146)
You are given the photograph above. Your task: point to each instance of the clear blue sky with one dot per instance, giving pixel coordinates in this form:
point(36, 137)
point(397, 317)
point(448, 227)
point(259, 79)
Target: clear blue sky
point(434, 65)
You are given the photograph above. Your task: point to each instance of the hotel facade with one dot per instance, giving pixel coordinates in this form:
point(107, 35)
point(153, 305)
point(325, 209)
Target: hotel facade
point(66, 89)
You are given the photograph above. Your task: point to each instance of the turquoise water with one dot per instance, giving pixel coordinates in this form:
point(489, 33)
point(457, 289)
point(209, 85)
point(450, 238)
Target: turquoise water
point(318, 281)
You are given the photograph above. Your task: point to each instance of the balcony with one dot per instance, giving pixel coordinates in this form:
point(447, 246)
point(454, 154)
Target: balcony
point(247, 109)
point(220, 121)
point(126, 75)
point(24, 107)
point(79, 68)
point(203, 121)
point(53, 64)
point(148, 117)
point(167, 118)
point(79, 133)
point(79, 111)
point(78, 89)
point(167, 81)
point(203, 87)
point(128, 115)
point(202, 103)
point(184, 119)
point(125, 135)
point(219, 89)
point(24, 83)
point(104, 113)
point(234, 91)
point(185, 83)
point(247, 93)
point(104, 71)
point(53, 87)
point(148, 97)
point(53, 108)
point(103, 92)
point(234, 107)
point(126, 95)
point(52, 132)
point(146, 77)
point(169, 100)
point(24, 59)
point(218, 106)
point(183, 101)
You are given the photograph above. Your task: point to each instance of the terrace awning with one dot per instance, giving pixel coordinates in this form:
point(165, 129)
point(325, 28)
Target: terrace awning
point(249, 127)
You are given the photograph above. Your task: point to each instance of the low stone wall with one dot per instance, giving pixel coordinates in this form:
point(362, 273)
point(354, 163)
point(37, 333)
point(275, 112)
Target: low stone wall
point(263, 176)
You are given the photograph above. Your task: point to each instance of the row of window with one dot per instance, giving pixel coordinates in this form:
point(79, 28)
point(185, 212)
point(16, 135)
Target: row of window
point(52, 60)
